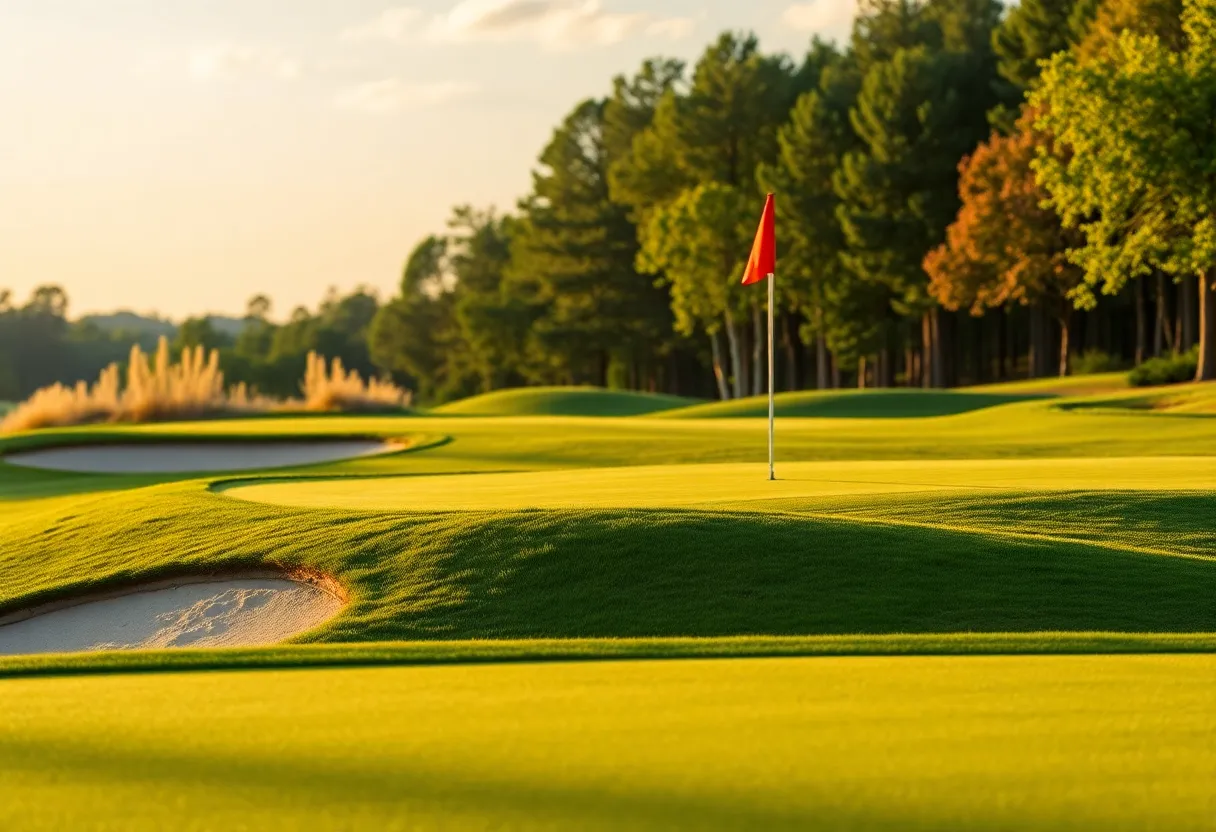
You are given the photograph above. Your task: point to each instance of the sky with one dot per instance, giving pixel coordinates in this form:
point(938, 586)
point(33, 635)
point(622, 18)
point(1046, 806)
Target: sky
point(180, 157)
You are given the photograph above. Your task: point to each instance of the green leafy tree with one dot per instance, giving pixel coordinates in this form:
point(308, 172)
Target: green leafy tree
point(576, 254)
point(414, 336)
point(1007, 246)
point(1138, 178)
point(1032, 32)
point(812, 145)
point(1112, 18)
point(916, 116)
point(199, 332)
point(700, 243)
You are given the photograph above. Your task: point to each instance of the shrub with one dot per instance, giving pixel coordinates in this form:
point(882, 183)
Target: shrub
point(156, 390)
point(160, 390)
point(1168, 369)
point(1095, 361)
point(333, 388)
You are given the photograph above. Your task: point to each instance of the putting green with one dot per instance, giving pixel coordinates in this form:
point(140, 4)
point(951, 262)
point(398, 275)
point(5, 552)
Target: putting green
point(704, 485)
point(1030, 743)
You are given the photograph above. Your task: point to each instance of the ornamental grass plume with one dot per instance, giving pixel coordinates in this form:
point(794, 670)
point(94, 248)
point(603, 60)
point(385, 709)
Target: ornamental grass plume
point(329, 387)
point(156, 390)
point(159, 389)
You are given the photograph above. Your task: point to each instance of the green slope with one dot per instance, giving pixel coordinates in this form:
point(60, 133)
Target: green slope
point(563, 401)
point(804, 484)
point(1178, 399)
point(1029, 743)
point(1055, 386)
point(900, 564)
point(854, 404)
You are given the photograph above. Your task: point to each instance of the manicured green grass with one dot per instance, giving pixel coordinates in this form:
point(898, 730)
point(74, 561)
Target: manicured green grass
point(1070, 386)
point(1181, 399)
point(795, 566)
point(707, 486)
point(853, 404)
point(1032, 429)
point(922, 743)
point(930, 547)
point(535, 651)
point(530, 561)
point(563, 401)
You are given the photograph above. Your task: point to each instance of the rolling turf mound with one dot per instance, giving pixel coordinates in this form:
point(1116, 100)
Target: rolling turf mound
point(854, 404)
point(959, 562)
point(563, 401)
point(1070, 386)
point(1181, 399)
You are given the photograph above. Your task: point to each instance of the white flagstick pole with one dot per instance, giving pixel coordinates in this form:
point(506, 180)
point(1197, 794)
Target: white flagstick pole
point(772, 404)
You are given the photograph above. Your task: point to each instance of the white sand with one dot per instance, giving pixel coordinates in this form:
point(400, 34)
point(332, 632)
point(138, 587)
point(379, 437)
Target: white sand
point(187, 457)
point(243, 612)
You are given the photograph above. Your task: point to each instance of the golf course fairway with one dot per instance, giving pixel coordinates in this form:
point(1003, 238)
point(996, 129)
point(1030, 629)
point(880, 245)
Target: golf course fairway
point(1050, 743)
point(998, 617)
point(703, 485)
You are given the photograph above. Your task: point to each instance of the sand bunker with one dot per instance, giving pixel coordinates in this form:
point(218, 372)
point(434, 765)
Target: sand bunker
point(196, 457)
point(237, 612)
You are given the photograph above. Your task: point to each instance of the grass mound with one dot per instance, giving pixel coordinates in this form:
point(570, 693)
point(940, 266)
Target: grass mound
point(1081, 385)
point(563, 401)
point(1182, 399)
point(854, 404)
point(160, 389)
point(638, 573)
point(1030, 743)
point(799, 484)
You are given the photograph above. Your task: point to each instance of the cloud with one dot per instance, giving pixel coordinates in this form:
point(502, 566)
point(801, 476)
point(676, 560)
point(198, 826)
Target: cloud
point(233, 61)
point(830, 18)
point(392, 24)
point(393, 95)
point(553, 24)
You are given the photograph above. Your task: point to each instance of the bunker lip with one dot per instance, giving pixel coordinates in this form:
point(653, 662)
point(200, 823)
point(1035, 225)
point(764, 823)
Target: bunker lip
point(183, 456)
point(299, 575)
point(225, 608)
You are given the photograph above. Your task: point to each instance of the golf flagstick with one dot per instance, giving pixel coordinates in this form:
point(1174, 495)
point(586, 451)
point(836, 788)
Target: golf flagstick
point(762, 265)
point(772, 402)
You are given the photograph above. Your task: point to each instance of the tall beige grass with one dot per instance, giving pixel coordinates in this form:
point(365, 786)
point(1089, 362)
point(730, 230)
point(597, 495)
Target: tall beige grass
point(329, 386)
point(193, 387)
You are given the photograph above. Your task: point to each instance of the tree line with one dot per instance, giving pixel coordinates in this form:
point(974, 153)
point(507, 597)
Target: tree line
point(967, 192)
point(40, 346)
point(948, 213)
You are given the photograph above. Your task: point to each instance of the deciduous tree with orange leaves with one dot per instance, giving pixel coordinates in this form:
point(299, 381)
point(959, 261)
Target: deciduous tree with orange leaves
point(1005, 247)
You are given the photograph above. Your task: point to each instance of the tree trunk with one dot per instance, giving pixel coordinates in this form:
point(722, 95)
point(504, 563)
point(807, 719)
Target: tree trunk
point(1141, 322)
point(979, 345)
point(1161, 333)
point(1207, 328)
point(1010, 351)
point(792, 343)
point(861, 373)
point(1002, 324)
point(719, 373)
point(937, 351)
point(1187, 315)
point(1038, 343)
point(944, 348)
point(758, 350)
point(821, 363)
point(909, 367)
point(1064, 331)
point(736, 359)
point(886, 369)
point(926, 363)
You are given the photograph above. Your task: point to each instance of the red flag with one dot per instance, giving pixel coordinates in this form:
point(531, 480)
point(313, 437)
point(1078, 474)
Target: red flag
point(763, 261)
